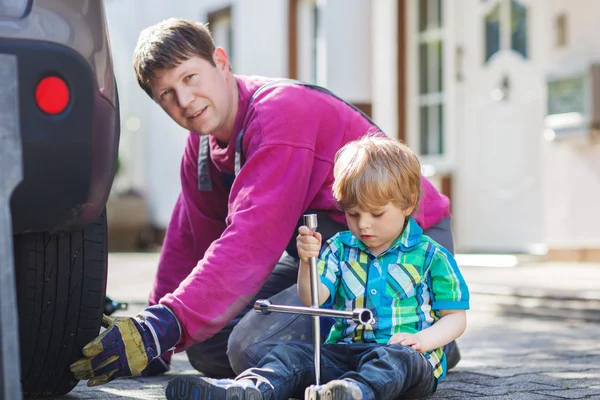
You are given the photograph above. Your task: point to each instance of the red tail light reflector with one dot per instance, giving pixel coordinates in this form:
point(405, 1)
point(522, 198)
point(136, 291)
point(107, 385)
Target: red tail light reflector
point(52, 95)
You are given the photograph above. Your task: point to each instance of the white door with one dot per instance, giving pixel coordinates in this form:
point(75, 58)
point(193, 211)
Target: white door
point(498, 179)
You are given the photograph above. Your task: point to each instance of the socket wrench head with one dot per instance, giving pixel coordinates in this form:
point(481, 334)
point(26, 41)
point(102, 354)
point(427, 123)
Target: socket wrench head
point(362, 316)
point(310, 220)
point(262, 306)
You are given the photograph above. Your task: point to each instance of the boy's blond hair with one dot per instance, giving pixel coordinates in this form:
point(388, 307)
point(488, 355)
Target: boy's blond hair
point(167, 44)
point(373, 171)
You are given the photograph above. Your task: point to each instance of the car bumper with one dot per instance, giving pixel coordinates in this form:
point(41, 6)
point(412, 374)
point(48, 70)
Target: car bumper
point(69, 159)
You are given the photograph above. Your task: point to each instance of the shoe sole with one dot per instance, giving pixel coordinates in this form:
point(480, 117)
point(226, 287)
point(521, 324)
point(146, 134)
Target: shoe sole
point(337, 393)
point(196, 388)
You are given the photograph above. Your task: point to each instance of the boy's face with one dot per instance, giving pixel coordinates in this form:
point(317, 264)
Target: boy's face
point(199, 96)
point(377, 228)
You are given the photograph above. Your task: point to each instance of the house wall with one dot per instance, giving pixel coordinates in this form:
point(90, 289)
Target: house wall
point(572, 167)
point(151, 143)
point(347, 25)
point(569, 170)
point(360, 65)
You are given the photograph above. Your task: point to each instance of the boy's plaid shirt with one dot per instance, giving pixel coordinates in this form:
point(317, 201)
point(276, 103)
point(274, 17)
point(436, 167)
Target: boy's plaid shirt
point(404, 287)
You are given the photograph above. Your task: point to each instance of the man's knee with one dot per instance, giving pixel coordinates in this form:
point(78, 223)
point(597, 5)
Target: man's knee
point(210, 363)
point(255, 335)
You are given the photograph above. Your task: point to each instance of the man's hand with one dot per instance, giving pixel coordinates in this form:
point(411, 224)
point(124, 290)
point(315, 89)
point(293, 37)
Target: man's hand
point(407, 339)
point(308, 243)
point(127, 346)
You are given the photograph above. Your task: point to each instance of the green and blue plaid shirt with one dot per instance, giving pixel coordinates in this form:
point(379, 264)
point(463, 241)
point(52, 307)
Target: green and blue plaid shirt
point(404, 287)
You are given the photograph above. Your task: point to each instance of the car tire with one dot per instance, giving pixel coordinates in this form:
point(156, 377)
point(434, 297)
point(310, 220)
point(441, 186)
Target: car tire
point(61, 285)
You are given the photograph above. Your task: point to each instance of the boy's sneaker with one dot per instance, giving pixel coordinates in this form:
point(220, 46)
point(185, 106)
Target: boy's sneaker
point(200, 388)
point(343, 389)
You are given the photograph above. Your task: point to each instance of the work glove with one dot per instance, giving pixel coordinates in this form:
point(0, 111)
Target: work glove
point(128, 345)
point(159, 365)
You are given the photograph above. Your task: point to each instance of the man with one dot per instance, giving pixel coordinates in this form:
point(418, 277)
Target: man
point(259, 155)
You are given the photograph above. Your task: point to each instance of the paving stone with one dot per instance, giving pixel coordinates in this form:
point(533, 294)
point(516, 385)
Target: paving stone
point(572, 393)
point(506, 354)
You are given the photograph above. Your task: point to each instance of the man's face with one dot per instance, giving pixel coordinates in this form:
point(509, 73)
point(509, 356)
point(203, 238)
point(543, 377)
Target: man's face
point(199, 96)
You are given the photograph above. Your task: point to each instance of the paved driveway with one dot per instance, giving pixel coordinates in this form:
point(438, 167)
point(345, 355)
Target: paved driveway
point(507, 354)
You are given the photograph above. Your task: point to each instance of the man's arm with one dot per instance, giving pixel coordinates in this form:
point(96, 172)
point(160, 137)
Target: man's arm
point(289, 145)
point(266, 201)
point(197, 220)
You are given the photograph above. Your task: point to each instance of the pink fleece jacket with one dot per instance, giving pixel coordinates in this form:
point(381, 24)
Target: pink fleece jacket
point(222, 245)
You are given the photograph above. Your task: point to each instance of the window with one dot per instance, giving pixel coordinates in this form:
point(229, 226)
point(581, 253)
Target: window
point(561, 30)
point(505, 27)
point(306, 39)
point(431, 78)
point(518, 28)
point(492, 32)
point(219, 23)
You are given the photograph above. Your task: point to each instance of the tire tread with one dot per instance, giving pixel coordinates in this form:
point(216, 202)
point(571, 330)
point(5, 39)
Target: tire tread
point(61, 285)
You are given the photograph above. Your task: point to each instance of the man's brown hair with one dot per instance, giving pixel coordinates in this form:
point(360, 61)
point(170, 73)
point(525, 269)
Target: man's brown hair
point(374, 171)
point(167, 44)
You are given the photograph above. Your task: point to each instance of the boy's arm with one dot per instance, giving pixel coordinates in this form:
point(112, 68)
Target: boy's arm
point(450, 297)
point(308, 244)
point(450, 326)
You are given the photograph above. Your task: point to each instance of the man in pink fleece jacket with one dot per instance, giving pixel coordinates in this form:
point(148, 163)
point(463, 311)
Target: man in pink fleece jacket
point(259, 155)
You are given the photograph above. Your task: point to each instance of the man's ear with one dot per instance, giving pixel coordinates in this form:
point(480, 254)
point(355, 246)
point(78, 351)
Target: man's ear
point(221, 60)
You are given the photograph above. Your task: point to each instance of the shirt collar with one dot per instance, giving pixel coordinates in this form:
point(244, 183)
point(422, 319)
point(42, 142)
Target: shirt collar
point(410, 237)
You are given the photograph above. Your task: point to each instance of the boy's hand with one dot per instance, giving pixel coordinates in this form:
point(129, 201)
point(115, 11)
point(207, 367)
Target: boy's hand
point(127, 346)
point(308, 243)
point(407, 339)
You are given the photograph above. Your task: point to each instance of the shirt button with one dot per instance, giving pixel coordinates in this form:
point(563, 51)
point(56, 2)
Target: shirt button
point(373, 291)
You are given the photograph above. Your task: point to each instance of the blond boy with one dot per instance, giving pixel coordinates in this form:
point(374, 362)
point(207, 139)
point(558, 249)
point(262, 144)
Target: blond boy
point(385, 263)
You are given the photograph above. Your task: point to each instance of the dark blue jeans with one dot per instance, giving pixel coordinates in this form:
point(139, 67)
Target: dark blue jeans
point(384, 372)
point(244, 341)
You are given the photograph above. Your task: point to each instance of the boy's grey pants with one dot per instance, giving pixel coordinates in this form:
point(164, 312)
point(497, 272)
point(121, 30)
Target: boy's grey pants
point(249, 336)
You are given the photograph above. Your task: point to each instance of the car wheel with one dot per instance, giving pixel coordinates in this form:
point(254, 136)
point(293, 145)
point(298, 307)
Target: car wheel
point(61, 284)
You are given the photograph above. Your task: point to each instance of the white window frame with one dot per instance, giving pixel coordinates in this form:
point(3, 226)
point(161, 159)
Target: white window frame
point(311, 57)
point(221, 28)
point(435, 163)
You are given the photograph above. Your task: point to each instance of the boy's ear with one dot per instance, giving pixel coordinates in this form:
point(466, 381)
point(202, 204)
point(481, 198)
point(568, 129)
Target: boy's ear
point(410, 209)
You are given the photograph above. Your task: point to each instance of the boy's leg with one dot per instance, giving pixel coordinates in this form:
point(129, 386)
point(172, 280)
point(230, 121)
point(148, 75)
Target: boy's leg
point(442, 233)
point(283, 373)
point(210, 357)
point(255, 334)
point(390, 371)
point(290, 369)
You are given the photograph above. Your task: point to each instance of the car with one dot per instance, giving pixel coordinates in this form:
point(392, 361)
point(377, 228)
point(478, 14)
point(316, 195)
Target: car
point(69, 128)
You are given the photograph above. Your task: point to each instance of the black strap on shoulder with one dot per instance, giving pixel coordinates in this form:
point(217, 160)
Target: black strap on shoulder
point(204, 183)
